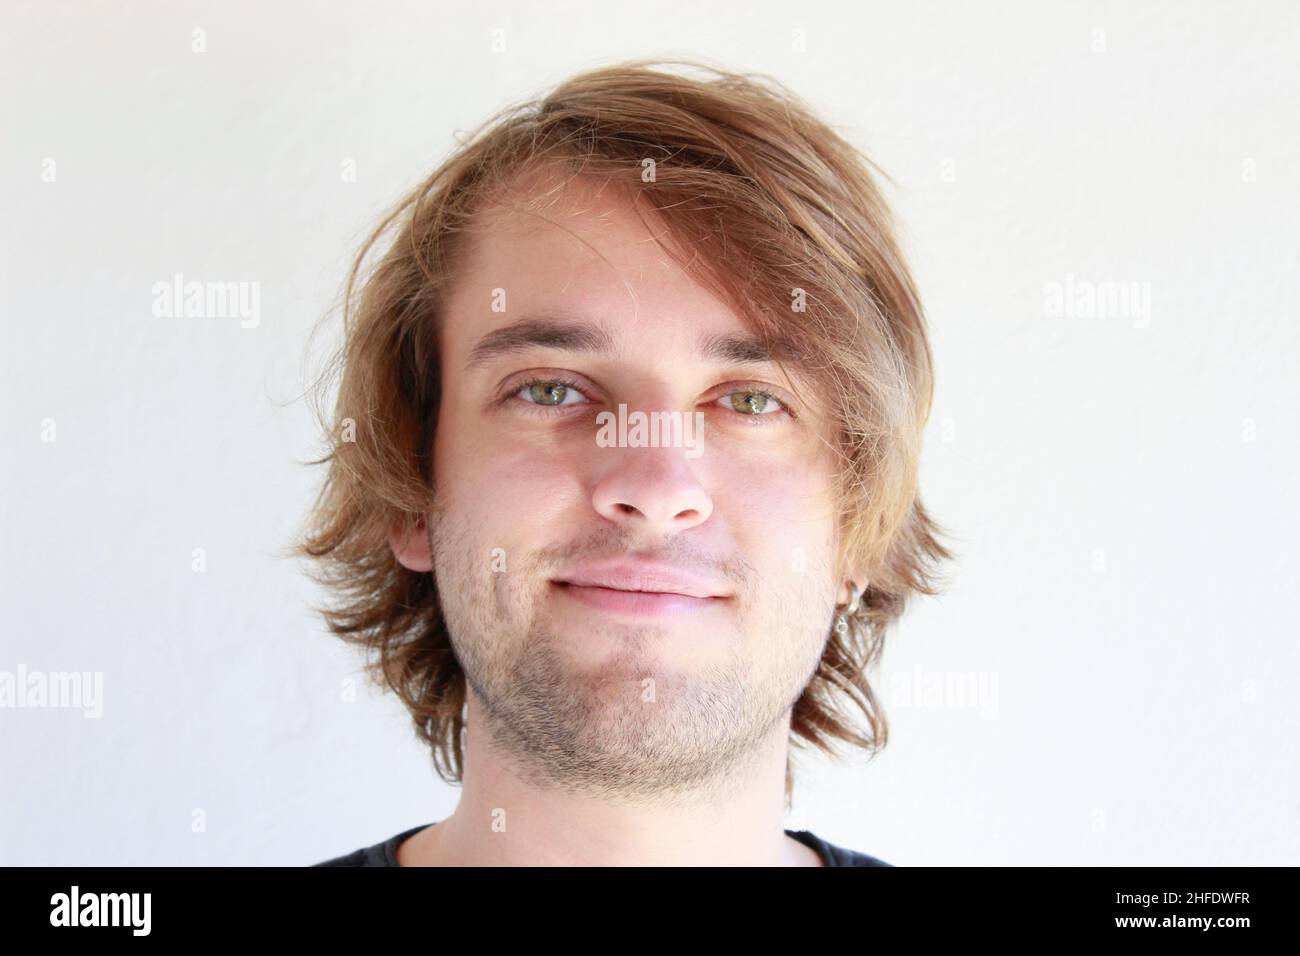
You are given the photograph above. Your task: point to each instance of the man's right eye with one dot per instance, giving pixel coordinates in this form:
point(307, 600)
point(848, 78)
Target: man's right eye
point(549, 392)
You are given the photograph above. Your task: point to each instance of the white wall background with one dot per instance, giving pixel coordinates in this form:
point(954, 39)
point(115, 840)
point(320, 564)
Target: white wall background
point(1123, 487)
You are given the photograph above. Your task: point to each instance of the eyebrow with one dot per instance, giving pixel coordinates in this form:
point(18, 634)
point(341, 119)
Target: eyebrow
point(727, 348)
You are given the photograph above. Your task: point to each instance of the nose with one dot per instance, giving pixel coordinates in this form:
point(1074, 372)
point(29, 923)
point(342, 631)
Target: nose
point(652, 491)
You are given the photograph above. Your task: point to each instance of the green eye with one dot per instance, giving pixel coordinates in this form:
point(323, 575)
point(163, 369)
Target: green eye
point(548, 393)
point(749, 402)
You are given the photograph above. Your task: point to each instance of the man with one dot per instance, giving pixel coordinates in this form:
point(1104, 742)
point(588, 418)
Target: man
point(610, 632)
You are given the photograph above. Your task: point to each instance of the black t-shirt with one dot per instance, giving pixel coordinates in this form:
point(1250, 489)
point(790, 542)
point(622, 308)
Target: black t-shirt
point(385, 853)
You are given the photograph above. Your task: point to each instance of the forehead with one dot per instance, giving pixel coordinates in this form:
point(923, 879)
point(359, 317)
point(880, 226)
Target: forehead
point(585, 255)
point(583, 248)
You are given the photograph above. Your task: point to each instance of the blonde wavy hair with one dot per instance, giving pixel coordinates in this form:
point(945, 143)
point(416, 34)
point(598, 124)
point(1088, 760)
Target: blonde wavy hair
point(770, 201)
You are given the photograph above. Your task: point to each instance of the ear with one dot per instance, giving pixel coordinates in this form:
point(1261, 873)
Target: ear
point(410, 544)
point(858, 578)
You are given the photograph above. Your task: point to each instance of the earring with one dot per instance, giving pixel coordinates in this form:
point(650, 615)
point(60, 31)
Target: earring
point(842, 619)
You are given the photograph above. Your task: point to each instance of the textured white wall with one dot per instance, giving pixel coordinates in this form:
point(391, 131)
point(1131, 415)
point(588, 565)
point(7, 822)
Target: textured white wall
point(1122, 485)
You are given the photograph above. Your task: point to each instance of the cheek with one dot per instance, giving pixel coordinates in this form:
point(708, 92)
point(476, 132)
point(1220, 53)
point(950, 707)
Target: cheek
point(779, 511)
point(506, 488)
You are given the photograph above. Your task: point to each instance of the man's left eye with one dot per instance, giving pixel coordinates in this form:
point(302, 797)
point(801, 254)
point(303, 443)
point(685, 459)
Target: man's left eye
point(748, 401)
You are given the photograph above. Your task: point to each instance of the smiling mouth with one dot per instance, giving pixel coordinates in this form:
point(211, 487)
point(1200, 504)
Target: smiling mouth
point(635, 603)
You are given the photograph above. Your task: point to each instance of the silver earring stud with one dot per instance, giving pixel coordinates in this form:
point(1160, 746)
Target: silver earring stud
point(842, 619)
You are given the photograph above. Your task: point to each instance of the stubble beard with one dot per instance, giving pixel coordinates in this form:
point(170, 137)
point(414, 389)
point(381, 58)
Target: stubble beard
point(634, 729)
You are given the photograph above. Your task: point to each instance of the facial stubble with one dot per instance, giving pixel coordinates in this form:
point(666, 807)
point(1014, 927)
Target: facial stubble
point(632, 728)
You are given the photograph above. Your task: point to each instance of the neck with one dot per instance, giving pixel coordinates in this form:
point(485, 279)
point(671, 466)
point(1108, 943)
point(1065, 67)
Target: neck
point(508, 817)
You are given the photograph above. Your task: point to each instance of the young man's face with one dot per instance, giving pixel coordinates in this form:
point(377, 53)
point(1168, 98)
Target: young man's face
point(596, 688)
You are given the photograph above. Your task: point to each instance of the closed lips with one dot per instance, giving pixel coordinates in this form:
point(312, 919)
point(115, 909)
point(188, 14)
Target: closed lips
point(650, 578)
